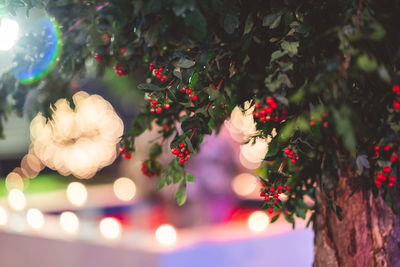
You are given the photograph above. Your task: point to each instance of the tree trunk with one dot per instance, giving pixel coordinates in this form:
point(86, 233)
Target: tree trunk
point(368, 235)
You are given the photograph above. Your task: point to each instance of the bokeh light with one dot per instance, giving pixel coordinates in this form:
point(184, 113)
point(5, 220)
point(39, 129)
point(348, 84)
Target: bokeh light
point(9, 31)
point(77, 141)
point(17, 199)
point(124, 188)
point(258, 221)
point(110, 228)
point(244, 184)
point(69, 222)
point(3, 216)
point(14, 181)
point(35, 218)
point(166, 234)
point(77, 194)
point(38, 50)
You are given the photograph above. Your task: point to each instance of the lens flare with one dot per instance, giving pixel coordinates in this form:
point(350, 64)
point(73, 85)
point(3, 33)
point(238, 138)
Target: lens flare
point(166, 235)
point(38, 50)
point(9, 31)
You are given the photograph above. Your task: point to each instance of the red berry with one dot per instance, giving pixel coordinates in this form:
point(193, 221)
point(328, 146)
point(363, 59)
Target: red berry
point(287, 150)
point(276, 194)
point(164, 78)
point(376, 148)
point(181, 145)
point(160, 69)
point(181, 155)
point(159, 76)
point(276, 119)
point(175, 151)
point(391, 184)
point(194, 97)
point(122, 150)
point(392, 178)
point(182, 160)
point(396, 105)
point(396, 88)
point(293, 161)
point(154, 101)
point(187, 152)
point(167, 106)
point(378, 183)
point(98, 57)
point(262, 194)
point(386, 148)
point(290, 156)
point(384, 178)
point(156, 72)
point(188, 91)
point(386, 169)
point(123, 50)
point(284, 111)
point(263, 119)
point(120, 72)
point(326, 124)
point(279, 187)
point(393, 158)
point(297, 158)
point(127, 156)
point(257, 105)
point(152, 110)
point(266, 198)
point(268, 110)
point(288, 188)
point(116, 66)
point(273, 105)
point(270, 210)
point(187, 158)
point(272, 189)
point(151, 67)
point(269, 100)
point(291, 152)
point(283, 118)
point(158, 110)
point(312, 123)
point(379, 176)
point(183, 89)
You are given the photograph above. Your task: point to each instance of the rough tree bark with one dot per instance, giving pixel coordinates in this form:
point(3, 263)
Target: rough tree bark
point(368, 235)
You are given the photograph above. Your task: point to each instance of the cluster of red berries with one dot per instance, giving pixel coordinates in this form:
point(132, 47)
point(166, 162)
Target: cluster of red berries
point(182, 152)
point(291, 155)
point(269, 111)
point(146, 171)
point(396, 89)
point(386, 174)
point(157, 107)
point(119, 71)
point(188, 91)
point(158, 72)
point(272, 194)
point(98, 57)
point(125, 153)
point(323, 120)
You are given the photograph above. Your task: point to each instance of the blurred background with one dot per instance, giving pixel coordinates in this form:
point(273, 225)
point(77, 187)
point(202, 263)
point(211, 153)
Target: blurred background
point(118, 217)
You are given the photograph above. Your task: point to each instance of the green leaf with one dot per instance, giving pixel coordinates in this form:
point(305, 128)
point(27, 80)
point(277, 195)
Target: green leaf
point(155, 151)
point(272, 20)
point(248, 24)
point(193, 79)
point(290, 47)
point(275, 218)
point(161, 183)
point(148, 87)
point(196, 24)
point(185, 63)
point(273, 149)
point(180, 195)
point(367, 63)
point(277, 54)
point(287, 130)
point(189, 144)
point(231, 23)
point(189, 177)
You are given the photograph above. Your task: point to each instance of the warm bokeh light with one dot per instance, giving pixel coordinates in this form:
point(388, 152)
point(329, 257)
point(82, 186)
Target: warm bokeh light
point(35, 218)
point(69, 222)
point(77, 141)
point(77, 194)
point(17, 199)
point(258, 221)
point(110, 228)
point(244, 184)
point(242, 121)
point(255, 152)
point(9, 30)
point(3, 216)
point(124, 188)
point(14, 181)
point(166, 234)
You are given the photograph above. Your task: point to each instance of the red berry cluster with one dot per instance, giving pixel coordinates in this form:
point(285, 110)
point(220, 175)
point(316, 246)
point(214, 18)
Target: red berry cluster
point(156, 106)
point(269, 112)
point(323, 120)
point(188, 91)
point(125, 153)
point(98, 57)
point(146, 169)
point(386, 174)
point(158, 72)
point(396, 89)
point(182, 152)
point(272, 194)
point(291, 155)
point(119, 71)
